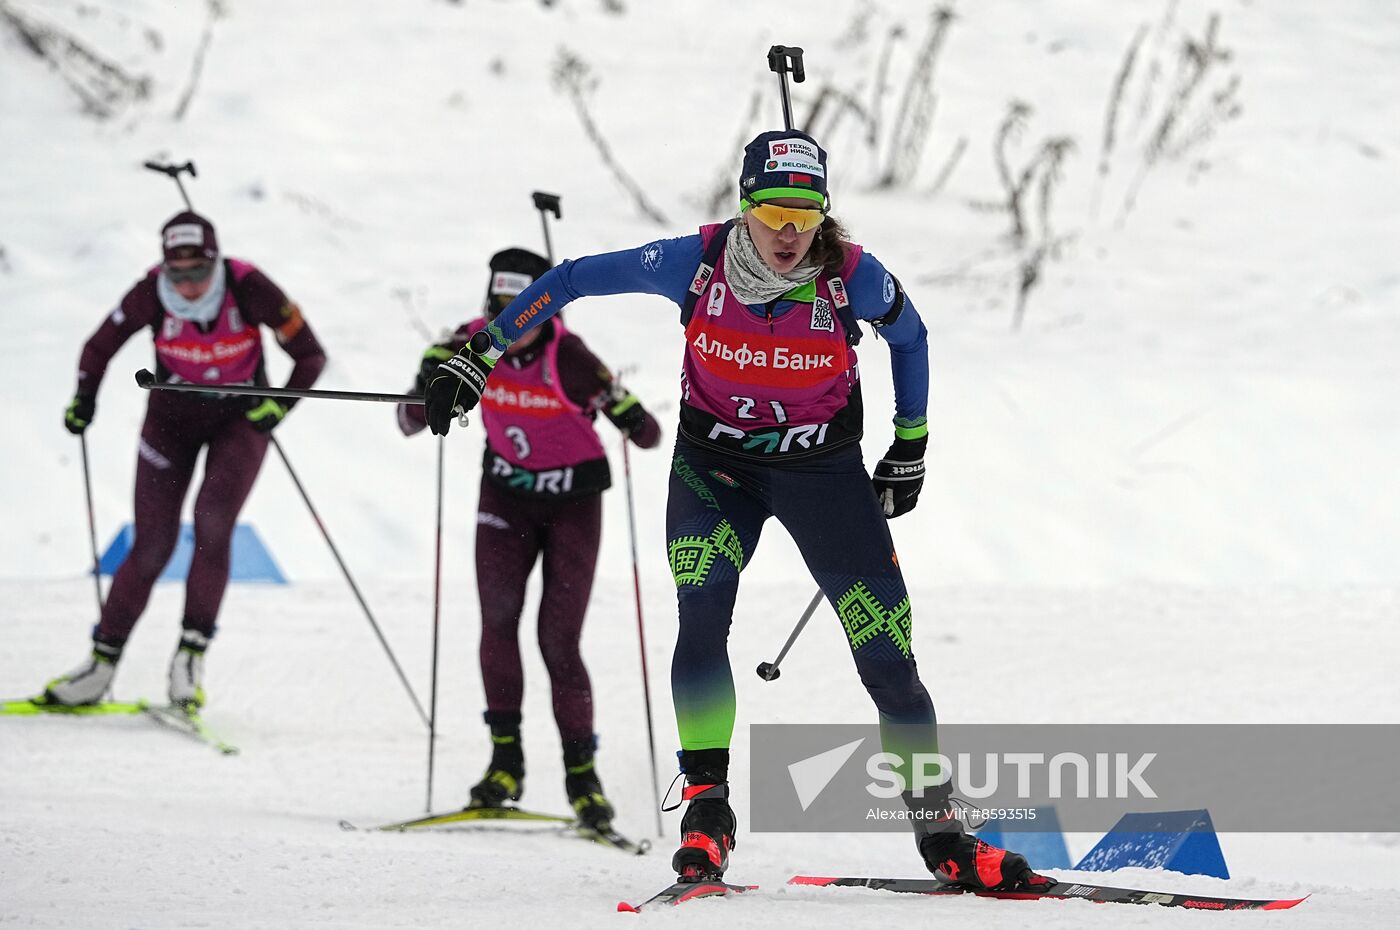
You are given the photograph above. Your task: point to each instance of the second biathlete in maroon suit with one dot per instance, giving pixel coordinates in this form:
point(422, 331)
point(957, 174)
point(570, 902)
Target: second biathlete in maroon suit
point(206, 314)
point(543, 475)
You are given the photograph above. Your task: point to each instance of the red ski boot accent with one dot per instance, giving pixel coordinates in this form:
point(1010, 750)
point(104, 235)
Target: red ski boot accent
point(967, 861)
point(718, 857)
point(691, 792)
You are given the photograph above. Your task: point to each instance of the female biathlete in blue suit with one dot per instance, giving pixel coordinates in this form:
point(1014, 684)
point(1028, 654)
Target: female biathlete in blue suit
point(770, 425)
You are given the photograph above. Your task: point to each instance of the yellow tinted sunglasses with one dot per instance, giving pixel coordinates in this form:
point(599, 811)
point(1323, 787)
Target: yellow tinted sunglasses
point(776, 217)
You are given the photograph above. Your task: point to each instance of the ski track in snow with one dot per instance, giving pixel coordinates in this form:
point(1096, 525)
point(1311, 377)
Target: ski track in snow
point(114, 822)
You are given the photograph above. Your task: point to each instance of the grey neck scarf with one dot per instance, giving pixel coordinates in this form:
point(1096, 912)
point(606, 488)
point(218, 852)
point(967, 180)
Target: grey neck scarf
point(202, 310)
point(750, 279)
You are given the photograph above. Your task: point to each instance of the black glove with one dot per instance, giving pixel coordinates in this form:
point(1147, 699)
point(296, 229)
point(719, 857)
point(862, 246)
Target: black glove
point(80, 413)
point(900, 476)
point(267, 414)
point(624, 410)
point(434, 356)
point(457, 384)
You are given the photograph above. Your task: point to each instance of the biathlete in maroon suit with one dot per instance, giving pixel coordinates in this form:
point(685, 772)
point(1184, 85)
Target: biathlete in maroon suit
point(205, 314)
point(543, 474)
point(770, 426)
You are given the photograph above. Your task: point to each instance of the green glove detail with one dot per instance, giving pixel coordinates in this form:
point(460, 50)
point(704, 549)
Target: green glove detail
point(266, 415)
point(432, 358)
point(79, 413)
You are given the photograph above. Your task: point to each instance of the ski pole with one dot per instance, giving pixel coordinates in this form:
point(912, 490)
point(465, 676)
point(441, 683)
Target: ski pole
point(785, 60)
point(353, 587)
point(173, 172)
point(437, 604)
point(547, 203)
point(641, 633)
point(769, 670)
point(92, 526)
point(147, 381)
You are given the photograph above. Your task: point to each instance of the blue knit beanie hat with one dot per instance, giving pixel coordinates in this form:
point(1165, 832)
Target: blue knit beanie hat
point(783, 163)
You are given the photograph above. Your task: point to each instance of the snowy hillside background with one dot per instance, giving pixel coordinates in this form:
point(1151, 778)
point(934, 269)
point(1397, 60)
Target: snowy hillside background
point(1187, 446)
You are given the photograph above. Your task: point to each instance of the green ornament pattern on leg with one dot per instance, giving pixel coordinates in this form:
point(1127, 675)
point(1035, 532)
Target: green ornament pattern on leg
point(693, 556)
point(864, 618)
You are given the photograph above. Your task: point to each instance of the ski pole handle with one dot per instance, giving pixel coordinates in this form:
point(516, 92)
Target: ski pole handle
point(546, 204)
point(785, 60)
point(147, 381)
point(788, 58)
point(173, 171)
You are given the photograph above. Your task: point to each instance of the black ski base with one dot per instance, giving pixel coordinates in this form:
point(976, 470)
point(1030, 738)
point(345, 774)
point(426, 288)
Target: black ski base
point(1058, 891)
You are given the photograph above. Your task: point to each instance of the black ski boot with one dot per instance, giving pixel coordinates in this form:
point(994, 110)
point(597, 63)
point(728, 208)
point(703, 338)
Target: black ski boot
point(708, 825)
point(505, 775)
point(952, 853)
point(965, 860)
point(583, 787)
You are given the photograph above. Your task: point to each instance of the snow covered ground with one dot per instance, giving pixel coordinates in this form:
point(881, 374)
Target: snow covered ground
point(1189, 441)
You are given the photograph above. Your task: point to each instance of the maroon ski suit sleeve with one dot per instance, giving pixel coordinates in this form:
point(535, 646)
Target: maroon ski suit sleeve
point(135, 311)
point(263, 302)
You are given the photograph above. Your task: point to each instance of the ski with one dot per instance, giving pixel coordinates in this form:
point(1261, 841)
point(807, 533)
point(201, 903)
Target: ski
point(612, 839)
point(681, 892)
point(186, 721)
point(476, 815)
point(26, 707)
point(467, 815)
point(1060, 891)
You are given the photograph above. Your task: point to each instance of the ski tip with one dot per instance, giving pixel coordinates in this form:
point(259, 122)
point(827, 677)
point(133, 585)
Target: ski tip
point(624, 908)
point(1284, 904)
point(810, 880)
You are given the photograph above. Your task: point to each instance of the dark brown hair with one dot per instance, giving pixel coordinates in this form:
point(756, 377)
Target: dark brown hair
point(828, 247)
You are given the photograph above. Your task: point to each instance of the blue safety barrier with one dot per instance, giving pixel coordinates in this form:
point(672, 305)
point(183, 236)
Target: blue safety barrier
point(1182, 841)
point(249, 560)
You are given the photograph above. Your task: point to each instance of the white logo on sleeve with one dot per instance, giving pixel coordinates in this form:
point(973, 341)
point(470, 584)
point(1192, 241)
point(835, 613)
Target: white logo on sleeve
point(889, 288)
point(652, 256)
